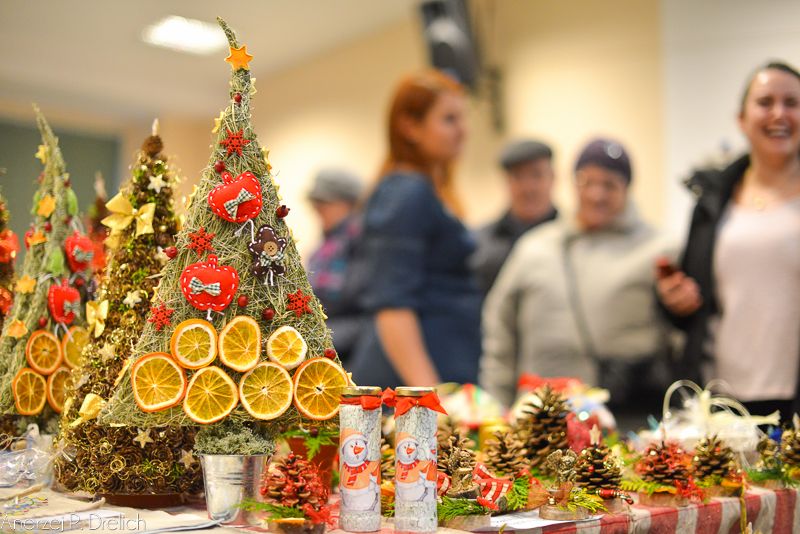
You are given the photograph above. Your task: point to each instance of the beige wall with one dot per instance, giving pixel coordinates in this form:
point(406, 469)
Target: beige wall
point(572, 70)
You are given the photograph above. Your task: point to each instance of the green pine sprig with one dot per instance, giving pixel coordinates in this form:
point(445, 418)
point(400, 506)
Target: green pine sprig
point(580, 498)
point(517, 496)
point(639, 485)
point(325, 436)
point(275, 511)
point(449, 508)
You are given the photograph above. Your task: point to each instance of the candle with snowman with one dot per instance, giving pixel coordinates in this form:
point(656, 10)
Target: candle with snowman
point(415, 467)
point(360, 459)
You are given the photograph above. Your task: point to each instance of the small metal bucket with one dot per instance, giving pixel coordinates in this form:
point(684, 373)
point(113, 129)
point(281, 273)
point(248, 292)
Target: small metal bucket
point(231, 479)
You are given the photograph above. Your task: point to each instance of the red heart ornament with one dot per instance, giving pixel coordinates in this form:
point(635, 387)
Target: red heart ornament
point(207, 285)
point(64, 302)
point(237, 199)
point(80, 252)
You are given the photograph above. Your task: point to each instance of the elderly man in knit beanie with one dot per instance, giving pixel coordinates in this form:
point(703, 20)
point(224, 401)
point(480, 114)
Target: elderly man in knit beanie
point(575, 297)
point(528, 168)
point(332, 268)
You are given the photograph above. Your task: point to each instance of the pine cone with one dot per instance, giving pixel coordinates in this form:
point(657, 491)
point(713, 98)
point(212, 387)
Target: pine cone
point(790, 447)
point(153, 146)
point(769, 454)
point(387, 460)
point(506, 454)
point(712, 458)
point(664, 464)
point(597, 469)
point(543, 429)
point(294, 482)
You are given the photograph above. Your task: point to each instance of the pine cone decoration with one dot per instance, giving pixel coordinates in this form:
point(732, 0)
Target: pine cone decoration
point(712, 458)
point(387, 460)
point(597, 469)
point(790, 447)
point(543, 428)
point(768, 451)
point(506, 454)
point(294, 482)
point(664, 464)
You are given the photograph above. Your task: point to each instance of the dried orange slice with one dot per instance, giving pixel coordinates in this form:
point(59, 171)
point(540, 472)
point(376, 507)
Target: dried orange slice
point(43, 352)
point(287, 347)
point(240, 343)
point(72, 346)
point(158, 382)
point(266, 391)
point(318, 386)
point(30, 391)
point(211, 395)
point(194, 343)
point(57, 386)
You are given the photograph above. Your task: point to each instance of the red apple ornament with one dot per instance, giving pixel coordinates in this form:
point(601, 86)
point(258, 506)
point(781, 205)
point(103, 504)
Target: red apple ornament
point(64, 302)
point(237, 199)
point(80, 252)
point(208, 286)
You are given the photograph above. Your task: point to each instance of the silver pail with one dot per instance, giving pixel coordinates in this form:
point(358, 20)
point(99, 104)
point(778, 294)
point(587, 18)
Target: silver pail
point(230, 480)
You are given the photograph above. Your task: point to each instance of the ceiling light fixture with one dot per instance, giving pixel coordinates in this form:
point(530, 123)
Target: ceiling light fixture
point(185, 35)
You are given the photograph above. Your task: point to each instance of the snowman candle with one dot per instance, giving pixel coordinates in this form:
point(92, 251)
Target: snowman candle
point(360, 459)
point(415, 459)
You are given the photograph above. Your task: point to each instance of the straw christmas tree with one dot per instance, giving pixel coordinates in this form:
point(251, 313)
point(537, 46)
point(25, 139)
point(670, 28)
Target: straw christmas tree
point(47, 317)
point(9, 246)
point(234, 335)
point(126, 460)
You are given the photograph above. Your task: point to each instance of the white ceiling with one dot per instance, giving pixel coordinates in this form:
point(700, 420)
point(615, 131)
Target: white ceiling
point(88, 55)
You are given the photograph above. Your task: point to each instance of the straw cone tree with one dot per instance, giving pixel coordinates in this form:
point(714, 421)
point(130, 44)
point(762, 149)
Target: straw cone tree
point(236, 342)
point(9, 246)
point(126, 460)
point(48, 297)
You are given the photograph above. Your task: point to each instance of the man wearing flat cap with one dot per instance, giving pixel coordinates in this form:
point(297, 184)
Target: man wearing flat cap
point(528, 168)
point(334, 197)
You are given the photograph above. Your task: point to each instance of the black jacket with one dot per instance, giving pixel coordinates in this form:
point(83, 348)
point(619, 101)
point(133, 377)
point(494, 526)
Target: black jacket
point(714, 190)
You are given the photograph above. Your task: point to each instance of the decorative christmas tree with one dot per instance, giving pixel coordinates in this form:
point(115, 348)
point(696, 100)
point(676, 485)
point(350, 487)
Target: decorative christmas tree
point(235, 278)
point(46, 321)
point(506, 454)
point(127, 460)
point(9, 246)
point(597, 468)
point(543, 427)
point(713, 460)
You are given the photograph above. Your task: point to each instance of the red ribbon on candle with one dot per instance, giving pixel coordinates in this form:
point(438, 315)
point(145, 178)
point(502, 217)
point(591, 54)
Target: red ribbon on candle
point(368, 402)
point(404, 404)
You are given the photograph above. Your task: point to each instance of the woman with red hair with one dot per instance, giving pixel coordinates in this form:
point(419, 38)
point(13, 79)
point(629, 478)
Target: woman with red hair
point(425, 302)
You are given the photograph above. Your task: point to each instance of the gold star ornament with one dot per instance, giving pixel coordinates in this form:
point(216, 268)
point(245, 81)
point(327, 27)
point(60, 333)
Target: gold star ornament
point(142, 437)
point(41, 154)
point(25, 284)
point(239, 58)
point(46, 206)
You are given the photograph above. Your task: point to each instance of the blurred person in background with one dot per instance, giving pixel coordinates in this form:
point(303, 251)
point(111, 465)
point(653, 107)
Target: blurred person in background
point(575, 297)
point(528, 169)
point(736, 292)
point(332, 272)
point(419, 286)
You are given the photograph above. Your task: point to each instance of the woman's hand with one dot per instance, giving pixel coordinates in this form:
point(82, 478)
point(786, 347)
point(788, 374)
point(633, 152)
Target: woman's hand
point(679, 293)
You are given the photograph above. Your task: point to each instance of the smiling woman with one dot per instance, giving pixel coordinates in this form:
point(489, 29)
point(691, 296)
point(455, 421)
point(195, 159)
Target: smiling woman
point(738, 294)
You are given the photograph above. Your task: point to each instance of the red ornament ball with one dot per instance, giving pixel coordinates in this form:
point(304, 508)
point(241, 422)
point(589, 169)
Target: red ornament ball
point(79, 282)
point(67, 182)
point(171, 252)
point(330, 354)
point(219, 166)
point(242, 301)
point(237, 98)
point(48, 226)
point(42, 322)
point(68, 219)
point(282, 211)
point(268, 314)
point(314, 432)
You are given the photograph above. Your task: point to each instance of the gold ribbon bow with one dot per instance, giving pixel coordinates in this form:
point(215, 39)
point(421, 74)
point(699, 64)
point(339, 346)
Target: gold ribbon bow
point(123, 214)
point(96, 313)
point(90, 409)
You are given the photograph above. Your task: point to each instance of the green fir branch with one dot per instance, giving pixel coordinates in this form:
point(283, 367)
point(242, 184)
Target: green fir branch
point(449, 508)
point(325, 436)
point(275, 511)
point(517, 496)
point(580, 498)
point(639, 485)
